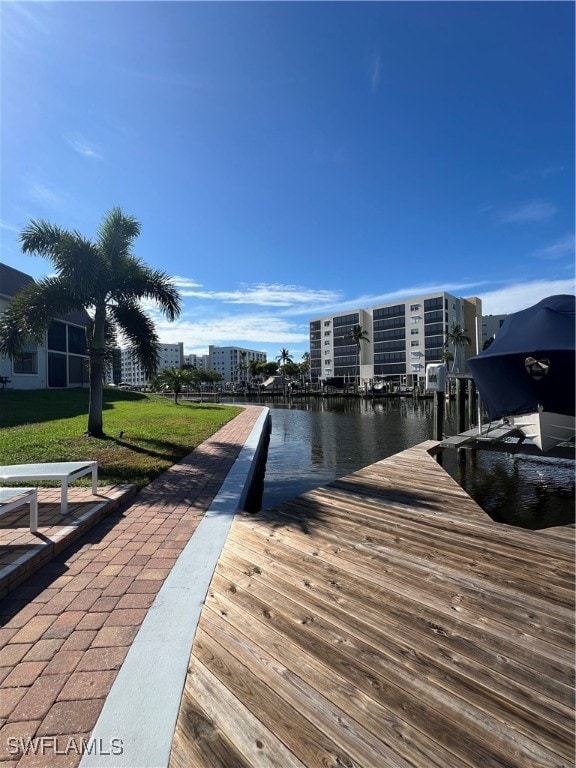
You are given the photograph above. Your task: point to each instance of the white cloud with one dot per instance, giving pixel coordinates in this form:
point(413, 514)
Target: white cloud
point(370, 300)
point(83, 147)
point(562, 247)
point(536, 210)
point(257, 331)
point(513, 298)
point(42, 193)
point(8, 227)
point(268, 295)
point(185, 282)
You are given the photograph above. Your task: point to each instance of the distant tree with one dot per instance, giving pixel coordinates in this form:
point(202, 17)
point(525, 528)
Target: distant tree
point(447, 356)
point(283, 358)
point(253, 368)
point(242, 366)
point(102, 277)
point(291, 369)
point(457, 337)
point(358, 336)
point(175, 379)
point(305, 365)
point(269, 368)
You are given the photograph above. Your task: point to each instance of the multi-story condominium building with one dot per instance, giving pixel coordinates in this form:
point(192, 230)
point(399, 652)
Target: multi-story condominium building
point(171, 356)
point(200, 362)
point(61, 361)
point(403, 337)
point(231, 362)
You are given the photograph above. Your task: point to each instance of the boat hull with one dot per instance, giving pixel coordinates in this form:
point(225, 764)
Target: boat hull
point(545, 428)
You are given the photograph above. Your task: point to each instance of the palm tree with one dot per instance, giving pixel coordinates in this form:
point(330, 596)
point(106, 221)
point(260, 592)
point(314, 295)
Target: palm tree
point(242, 366)
point(283, 358)
point(102, 277)
point(253, 368)
point(457, 337)
point(175, 379)
point(305, 365)
point(358, 335)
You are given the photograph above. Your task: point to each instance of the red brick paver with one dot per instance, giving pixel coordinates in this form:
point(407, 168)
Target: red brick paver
point(67, 629)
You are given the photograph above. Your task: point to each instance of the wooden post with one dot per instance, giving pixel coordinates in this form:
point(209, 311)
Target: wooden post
point(439, 398)
point(472, 420)
point(460, 405)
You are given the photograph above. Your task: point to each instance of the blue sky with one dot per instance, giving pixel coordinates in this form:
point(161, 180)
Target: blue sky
point(290, 158)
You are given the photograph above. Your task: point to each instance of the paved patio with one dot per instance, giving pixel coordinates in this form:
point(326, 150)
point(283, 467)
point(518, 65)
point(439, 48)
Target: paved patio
point(68, 627)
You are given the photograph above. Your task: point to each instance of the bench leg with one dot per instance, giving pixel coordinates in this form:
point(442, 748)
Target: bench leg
point(95, 480)
point(64, 497)
point(34, 513)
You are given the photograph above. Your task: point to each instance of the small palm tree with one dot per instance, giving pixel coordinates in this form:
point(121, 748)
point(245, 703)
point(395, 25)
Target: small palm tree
point(175, 379)
point(253, 368)
point(305, 365)
point(102, 277)
point(242, 366)
point(283, 358)
point(358, 336)
point(457, 337)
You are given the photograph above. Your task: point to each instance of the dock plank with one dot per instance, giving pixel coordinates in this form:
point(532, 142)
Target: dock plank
point(384, 620)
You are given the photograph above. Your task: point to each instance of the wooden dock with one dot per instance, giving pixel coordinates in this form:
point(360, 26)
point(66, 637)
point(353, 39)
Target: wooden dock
point(384, 621)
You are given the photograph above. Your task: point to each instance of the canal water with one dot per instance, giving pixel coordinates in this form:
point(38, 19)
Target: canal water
point(317, 440)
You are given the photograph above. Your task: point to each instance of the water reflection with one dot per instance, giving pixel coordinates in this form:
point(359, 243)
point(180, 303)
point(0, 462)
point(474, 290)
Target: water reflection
point(314, 441)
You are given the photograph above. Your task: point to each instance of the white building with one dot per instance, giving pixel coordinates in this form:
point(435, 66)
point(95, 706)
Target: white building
point(171, 356)
point(403, 338)
point(61, 361)
point(200, 362)
point(231, 362)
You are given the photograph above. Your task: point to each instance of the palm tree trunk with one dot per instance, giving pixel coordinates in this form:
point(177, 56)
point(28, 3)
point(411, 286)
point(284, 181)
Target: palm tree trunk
point(97, 354)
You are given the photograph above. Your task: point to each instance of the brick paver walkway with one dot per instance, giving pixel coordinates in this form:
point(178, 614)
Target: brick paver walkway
point(66, 631)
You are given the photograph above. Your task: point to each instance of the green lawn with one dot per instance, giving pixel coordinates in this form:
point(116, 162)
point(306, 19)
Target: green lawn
point(145, 433)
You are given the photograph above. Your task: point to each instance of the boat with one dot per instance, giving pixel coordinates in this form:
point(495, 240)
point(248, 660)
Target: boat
point(526, 377)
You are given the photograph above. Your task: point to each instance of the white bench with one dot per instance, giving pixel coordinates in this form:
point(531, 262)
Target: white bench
point(10, 498)
point(64, 471)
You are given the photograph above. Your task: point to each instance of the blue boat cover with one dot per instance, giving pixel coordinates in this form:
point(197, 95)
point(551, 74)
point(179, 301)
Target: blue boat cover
point(531, 362)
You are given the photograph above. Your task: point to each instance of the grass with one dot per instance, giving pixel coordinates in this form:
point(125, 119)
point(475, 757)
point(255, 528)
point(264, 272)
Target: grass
point(146, 434)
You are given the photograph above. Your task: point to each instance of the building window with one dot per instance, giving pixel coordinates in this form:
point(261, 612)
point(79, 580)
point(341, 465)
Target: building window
point(77, 340)
point(327, 333)
point(414, 343)
point(414, 307)
point(57, 337)
point(327, 343)
point(78, 371)
point(26, 362)
point(326, 322)
point(414, 331)
point(414, 320)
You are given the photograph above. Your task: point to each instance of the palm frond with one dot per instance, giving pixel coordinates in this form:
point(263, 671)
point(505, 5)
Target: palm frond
point(139, 330)
point(134, 280)
point(31, 311)
point(116, 235)
point(75, 258)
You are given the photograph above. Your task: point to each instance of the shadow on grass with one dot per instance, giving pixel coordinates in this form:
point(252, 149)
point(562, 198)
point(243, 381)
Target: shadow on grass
point(19, 407)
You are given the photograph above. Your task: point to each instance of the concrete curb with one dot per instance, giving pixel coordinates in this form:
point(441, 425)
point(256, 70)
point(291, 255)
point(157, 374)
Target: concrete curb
point(136, 725)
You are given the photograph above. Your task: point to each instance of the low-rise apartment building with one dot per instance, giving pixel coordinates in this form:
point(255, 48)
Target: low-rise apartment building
point(60, 361)
point(403, 337)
